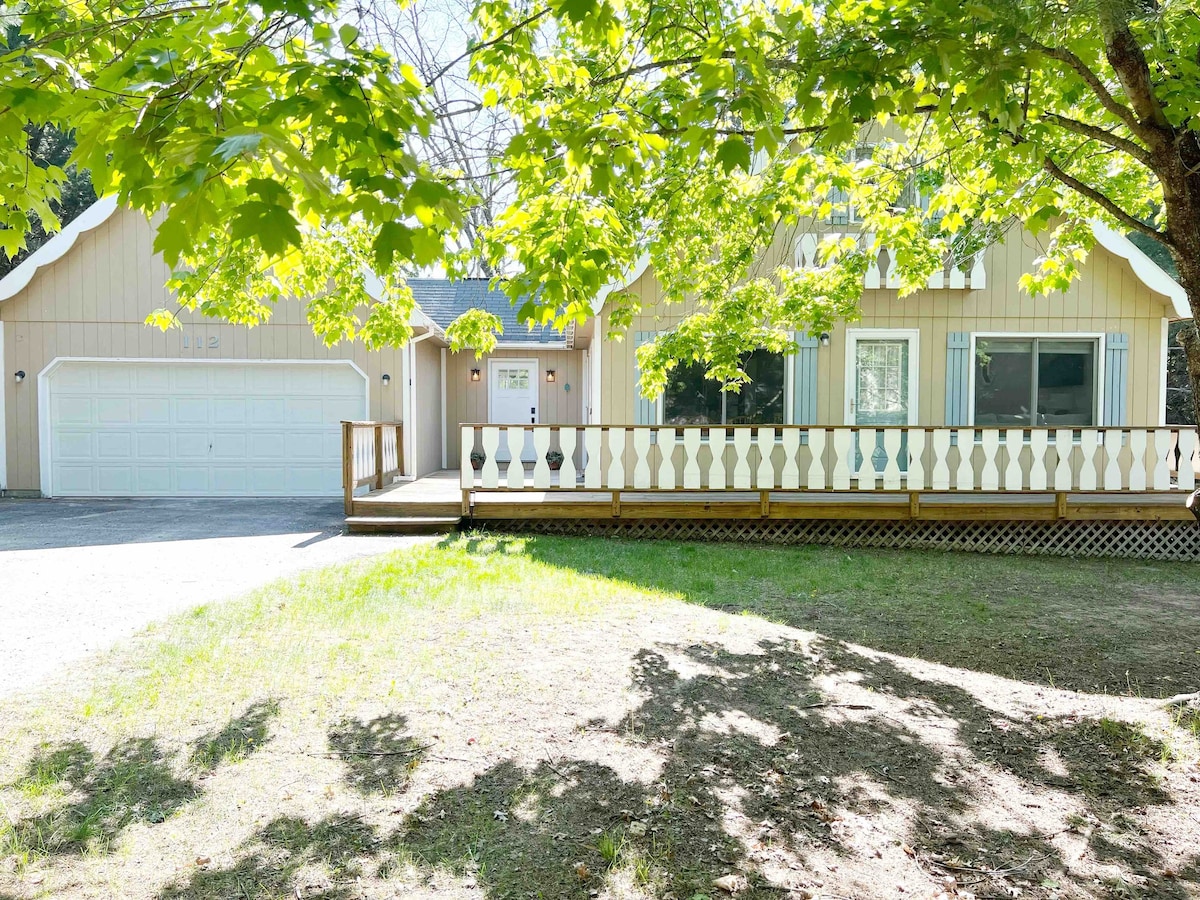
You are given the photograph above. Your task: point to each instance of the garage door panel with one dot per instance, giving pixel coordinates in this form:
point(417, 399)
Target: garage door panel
point(197, 429)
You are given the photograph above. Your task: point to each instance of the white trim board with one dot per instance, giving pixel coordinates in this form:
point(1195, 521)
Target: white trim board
point(5, 375)
point(1099, 337)
point(913, 336)
point(1149, 273)
point(56, 248)
point(43, 382)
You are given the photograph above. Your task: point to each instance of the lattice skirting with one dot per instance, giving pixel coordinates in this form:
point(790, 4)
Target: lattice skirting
point(1138, 540)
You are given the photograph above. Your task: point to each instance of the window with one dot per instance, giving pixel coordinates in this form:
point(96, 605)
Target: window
point(692, 399)
point(1035, 381)
point(513, 379)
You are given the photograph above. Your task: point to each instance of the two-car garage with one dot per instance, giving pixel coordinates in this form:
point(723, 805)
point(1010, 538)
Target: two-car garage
point(184, 428)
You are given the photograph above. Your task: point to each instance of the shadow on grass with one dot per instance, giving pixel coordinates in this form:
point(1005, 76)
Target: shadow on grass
point(1102, 626)
point(238, 739)
point(379, 755)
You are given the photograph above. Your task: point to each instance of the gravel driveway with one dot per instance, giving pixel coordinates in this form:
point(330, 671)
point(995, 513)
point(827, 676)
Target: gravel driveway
point(77, 576)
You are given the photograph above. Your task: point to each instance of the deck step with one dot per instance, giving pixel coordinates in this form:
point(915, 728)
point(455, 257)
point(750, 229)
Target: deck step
point(402, 524)
point(408, 508)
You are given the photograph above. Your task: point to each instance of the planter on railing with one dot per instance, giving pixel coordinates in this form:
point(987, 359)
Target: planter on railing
point(372, 453)
point(826, 458)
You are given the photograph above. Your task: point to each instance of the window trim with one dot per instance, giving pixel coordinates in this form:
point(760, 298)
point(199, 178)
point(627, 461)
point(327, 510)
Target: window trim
point(789, 388)
point(1099, 337)
point(913, 336)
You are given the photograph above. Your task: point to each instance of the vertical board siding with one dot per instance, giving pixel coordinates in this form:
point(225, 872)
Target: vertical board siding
point(1116, 378)
point(958, 373)
point(805, 375)
point(94, 301)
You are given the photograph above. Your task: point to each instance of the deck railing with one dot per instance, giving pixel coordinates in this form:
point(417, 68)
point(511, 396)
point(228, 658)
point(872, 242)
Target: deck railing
point(372, 453)
point(826, 458)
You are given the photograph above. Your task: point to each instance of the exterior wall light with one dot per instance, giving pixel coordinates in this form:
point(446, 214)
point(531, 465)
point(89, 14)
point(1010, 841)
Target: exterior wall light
point(20, 376)
point(824, 338)
point(387, 379)
point(474, 374)
point(549, 374)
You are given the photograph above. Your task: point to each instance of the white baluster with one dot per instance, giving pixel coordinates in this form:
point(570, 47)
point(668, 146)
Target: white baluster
point(541, 446)
point(691, 458)
point(717, 479)
point(806, 252)
point(964, 479)
point(1039, 443)
point(1112, 452)
point(567, 476)
point(765, 476)
point(989, 475)
point(978, 273)
point(867, 479)
point(741, 465)
point(1089, 442)
point(958, 278)
point(616, 462)
point(641, 453)
point(940, 480)
point(666, 452)
point(465, 445)
point(1137, 465)
point(1014, 443)
point(1064, 446)
point(515, 476)
point(592, 441)
point(937, 280)
point(1187, 467)
point(915, 478)
point(843, 456)
point(891, 469)
point(871, 280)
point(816, 465)
point(1162, 449)
point(789, 479)
point(489, 473)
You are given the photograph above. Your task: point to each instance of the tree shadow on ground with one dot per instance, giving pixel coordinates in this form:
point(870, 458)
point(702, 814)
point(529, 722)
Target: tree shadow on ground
point(767, 777)
point(1103, 626)
point(380, 756)
point(240, 737)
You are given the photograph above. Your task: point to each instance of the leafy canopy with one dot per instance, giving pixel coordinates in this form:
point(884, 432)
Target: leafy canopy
point(695, 131)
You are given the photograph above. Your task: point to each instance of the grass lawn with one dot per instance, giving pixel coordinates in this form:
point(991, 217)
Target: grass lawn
point(497, 717)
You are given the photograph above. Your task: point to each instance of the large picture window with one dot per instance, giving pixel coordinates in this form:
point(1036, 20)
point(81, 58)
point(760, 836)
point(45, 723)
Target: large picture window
point(692, 399)
point(1035, 381)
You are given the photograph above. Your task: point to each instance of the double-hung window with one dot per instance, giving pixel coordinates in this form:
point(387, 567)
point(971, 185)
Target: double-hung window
point(1036, 381)
point(692, 399)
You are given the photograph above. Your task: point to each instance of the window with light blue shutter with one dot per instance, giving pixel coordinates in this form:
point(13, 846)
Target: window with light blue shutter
point(804, 387)
point(958, 373)
point(645, 412)
point(1116, 378)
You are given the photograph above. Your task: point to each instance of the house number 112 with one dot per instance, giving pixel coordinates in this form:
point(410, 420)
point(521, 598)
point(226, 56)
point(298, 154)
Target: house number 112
point(199, 343)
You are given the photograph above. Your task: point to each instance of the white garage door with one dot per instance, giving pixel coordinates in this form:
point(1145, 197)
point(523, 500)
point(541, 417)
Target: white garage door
point(158, 429)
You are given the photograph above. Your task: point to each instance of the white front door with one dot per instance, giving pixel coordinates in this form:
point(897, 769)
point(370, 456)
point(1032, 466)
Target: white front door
point(881, 377)
point(513, 399)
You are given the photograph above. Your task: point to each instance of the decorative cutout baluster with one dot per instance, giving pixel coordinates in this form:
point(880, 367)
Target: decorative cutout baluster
point(1162, 449)
point(816, 465)
point(741, 466)
point(641, 452)
point(891, 469)
point(514, 477)
point(567, 476)
point(843, 456)
point(1186, 473)
point(541, 446)
point(964, 477)
point(666, 452)
point(1064, 446)
point(915, 477)
point(989, 475)
point(1137, 465)
point(489, 473)
point(691, 458)
point(465, 445)
point(1039, 443)
point(765, 476)
point(789, 479)
point(867, 442)
point(1089, 441)
point(940, 480)
point(717, 479)
point(616, 461)
point(1112, 453)
point(593, 438)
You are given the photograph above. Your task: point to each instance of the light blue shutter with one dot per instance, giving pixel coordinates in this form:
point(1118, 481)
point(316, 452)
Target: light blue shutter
point(804, 386)
point(645, 411)
point(1116, 376)
point(958, 372)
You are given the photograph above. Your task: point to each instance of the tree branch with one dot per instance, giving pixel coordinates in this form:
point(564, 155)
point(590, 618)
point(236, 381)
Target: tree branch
point(1093, 81)
point(1103, 135)
point(503, 36)
point(1103, 200)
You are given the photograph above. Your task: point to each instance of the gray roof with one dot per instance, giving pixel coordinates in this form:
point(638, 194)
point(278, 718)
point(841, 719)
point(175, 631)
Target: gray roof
point(444, 301)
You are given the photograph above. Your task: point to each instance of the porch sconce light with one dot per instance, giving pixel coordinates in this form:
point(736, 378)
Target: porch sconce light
point(474, 374)
point(549, 374)
point(387, 379)
point(20, 376)
point(824, 338)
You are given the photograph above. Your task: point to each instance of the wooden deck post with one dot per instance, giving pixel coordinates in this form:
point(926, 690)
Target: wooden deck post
point(1060, 504)
point(914, 504)
point(400, 448)
point(764, 501)
point(378, 457)
point(348, 465)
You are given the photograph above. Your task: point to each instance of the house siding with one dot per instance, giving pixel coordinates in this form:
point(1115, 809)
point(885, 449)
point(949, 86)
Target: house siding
point(1108, 298)
point(93, 302)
